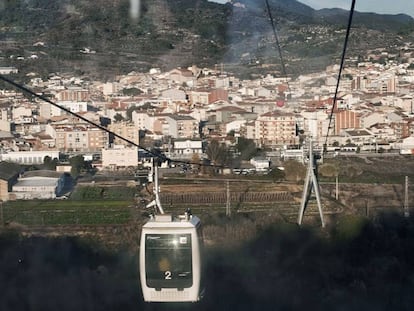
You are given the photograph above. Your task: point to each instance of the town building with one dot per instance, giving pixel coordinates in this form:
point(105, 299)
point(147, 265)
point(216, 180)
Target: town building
point(177, 126)
point(186, 148)
point(119, 157)
point(346, 119)
point(79, 137)
point(276, 129)
point(41, 184)
point(73, 94)
point(126, 130)
point(28, 157)
point(260, 164)
point(9, 172)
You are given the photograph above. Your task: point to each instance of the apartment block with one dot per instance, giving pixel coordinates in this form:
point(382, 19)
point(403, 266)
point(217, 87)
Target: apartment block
point(276, 129)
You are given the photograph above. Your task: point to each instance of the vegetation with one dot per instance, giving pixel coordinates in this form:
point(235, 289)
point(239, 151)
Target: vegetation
point(118, 117)
point(294, 171)
point(103, 193)
point(217, 153)
point(247, 148)
point(202, 33)
point(284, 267)
point(49, 164)
point(79, 165)
point(133, 91)
point(328, 170)
point(67, 212)
point(367, 170)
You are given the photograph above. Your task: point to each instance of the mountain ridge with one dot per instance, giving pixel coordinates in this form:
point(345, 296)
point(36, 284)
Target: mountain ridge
point(171, 33)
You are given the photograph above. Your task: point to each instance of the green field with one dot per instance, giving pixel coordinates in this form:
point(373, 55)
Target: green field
point(67, 212)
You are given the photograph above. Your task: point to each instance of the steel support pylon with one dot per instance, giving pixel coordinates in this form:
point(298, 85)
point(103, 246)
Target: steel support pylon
point(311, 183)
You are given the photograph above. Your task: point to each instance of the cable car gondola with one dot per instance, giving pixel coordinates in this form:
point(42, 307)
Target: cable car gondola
point(170, 259)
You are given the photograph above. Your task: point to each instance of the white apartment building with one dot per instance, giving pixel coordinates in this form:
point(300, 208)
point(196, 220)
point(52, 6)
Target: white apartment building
point(315, 124)
point(21, 112)
point(181, 126)
point(144, 120)
point(48, 110)
point(119, 156)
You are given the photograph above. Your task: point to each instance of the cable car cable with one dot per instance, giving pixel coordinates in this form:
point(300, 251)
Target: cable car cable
point(348, 31)
point(155, 155)
point(164, 278)
point(277, 41)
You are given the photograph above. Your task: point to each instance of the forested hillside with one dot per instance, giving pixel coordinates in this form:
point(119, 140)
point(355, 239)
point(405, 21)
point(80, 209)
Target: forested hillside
point(105, 37)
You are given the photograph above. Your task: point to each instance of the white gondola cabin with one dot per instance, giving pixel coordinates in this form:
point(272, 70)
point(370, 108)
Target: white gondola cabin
point(170, 260)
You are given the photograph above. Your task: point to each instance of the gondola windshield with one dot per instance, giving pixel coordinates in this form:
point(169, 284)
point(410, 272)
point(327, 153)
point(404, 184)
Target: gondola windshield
point(168, 259)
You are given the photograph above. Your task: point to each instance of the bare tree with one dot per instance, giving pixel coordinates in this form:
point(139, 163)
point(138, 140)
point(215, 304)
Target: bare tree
point(217, 153)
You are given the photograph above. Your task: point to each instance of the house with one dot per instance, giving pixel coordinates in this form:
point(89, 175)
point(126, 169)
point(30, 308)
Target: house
point(200, 97)
point(181, 76)
point(8, 70)
point(226, 114)
point(174, 95)
point(187, 148)
point(406, 146)
point(260, 164)
point(9, 173)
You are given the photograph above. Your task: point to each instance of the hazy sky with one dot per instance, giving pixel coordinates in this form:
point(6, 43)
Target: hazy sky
point(377, 6)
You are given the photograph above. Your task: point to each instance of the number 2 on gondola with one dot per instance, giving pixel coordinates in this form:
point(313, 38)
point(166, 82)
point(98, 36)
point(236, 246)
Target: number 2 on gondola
point(167, 275)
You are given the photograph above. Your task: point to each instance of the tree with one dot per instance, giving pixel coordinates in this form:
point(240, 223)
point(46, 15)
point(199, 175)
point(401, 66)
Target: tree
point(49, 163)
point(133, 91)
point(195, 158)
point(246, 147)
point(143, 107)
point(276, 174)
point(217, 153)
point(77, 163)
point(294, 171)
point(328, 170)
point(118, 117)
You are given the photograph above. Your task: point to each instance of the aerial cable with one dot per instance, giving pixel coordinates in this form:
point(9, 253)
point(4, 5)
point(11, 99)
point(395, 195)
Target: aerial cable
point(348, 31)
point(41, 97)
point(277, 41)
point(155, 155)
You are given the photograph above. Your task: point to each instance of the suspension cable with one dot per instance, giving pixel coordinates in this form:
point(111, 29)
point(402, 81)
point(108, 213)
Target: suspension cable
point(277, 41)
point(159, 156)
point(348, 31)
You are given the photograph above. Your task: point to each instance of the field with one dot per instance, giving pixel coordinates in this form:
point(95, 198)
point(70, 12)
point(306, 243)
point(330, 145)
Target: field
point(232, 208)
point(66, 212)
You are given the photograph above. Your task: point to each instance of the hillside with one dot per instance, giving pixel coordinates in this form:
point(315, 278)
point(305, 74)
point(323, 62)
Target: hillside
point(171, 33)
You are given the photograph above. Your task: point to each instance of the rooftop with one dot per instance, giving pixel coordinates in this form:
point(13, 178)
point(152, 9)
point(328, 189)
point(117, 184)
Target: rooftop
point(36, 182)
point(9, 170)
